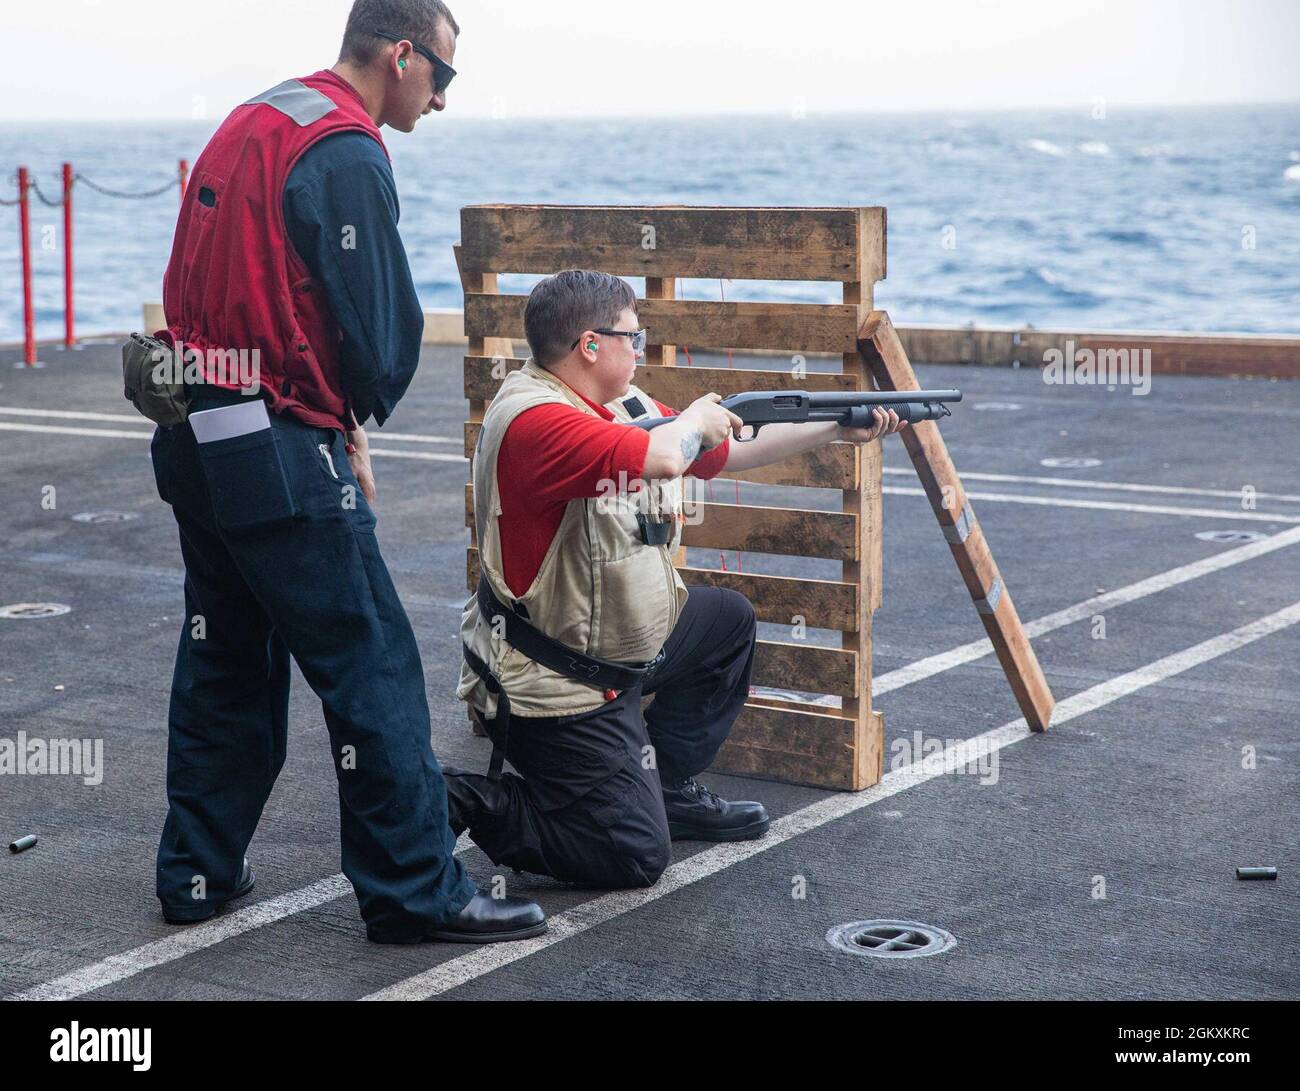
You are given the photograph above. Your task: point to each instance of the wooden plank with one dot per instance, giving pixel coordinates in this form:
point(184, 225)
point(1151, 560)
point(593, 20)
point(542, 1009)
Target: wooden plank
point(801, 743)
point(864, 570)
point(1229, 356)
point(809, 668)
point(482, 284)
point(883, 353)
point(679, 386)
point(811, 748)
point(791, 532)
point(790, 704)
point(834, 466)
point(674, 386)
point(485, 374)
point(824, 604)
point(1272, 358)
point(658, 354)
point(783, 600)
point(675, 241)
point(798, 327)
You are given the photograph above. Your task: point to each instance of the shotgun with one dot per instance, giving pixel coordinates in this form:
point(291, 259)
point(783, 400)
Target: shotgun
point(851, 408)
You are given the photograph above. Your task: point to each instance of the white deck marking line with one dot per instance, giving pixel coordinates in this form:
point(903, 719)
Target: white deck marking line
point(67, 414)
point(143, 958)
point(134, 418)
point(417, 437)
point(109, 433)
point(421, 437)
point(424, 456)
point(977, 649)
point(896, 490)
point(186, 942)
point(60, 430)
point(1106, 486)
point(581, 918)
point(1109, 505)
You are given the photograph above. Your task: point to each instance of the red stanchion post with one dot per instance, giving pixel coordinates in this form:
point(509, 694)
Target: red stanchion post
point(184, 171)
point(69, 320)
point(25, 241)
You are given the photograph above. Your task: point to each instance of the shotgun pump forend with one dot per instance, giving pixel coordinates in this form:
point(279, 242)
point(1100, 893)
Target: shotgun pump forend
point(851, 408)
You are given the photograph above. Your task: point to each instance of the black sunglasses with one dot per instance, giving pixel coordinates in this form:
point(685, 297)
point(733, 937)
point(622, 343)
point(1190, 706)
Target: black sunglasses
point(443, 73)
point(638, 338)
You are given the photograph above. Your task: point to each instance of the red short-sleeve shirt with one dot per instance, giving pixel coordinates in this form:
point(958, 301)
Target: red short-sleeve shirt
point(554, 453)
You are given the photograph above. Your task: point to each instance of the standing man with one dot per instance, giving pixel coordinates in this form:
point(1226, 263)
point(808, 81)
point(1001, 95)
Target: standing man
point(287, 248)
point(580, 613)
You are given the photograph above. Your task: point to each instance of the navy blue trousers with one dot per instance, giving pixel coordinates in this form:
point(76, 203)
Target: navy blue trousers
point(279, 566)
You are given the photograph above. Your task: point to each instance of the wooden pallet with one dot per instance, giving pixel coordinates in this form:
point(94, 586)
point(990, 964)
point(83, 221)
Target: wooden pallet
point(805, 742)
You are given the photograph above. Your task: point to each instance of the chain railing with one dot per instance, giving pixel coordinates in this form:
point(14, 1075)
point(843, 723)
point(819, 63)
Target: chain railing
point(27, 185)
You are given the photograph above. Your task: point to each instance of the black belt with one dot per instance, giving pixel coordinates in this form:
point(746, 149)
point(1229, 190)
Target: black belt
point(521, 634)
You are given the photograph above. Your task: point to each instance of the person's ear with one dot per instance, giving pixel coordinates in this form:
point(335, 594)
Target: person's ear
point(588, 346)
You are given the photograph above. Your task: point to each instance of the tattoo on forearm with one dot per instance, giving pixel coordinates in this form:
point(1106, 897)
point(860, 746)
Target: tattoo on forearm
point(691, 445)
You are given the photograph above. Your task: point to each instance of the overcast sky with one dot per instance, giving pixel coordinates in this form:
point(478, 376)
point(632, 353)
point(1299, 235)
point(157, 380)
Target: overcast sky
point(144, 59)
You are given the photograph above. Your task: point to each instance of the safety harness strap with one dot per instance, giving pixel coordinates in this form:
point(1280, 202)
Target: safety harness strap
point(532, 642)
point(550, 653)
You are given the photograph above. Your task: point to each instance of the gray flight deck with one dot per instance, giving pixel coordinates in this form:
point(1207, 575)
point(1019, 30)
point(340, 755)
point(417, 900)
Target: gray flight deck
point(1150, 796)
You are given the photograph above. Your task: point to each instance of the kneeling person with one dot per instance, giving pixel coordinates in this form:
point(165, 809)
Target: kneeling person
point(579, 612)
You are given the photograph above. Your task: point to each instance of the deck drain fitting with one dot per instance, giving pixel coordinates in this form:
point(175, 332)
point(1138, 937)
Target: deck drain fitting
point(891, 939)
point(1231, 536)
point(25, 611)
point(105, 517)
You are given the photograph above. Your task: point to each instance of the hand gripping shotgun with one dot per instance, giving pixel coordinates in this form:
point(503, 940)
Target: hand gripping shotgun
point(851, 408)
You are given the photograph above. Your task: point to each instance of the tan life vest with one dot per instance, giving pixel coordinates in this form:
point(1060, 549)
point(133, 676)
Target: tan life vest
point(600, 589)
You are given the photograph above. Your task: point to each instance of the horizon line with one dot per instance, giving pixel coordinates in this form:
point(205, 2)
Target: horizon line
point(812, 113)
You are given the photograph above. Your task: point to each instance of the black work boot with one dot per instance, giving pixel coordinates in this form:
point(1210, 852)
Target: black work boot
point(470, 796)
point(484, 919)
point(492, 920)
point(696, 814)
point(246, 882)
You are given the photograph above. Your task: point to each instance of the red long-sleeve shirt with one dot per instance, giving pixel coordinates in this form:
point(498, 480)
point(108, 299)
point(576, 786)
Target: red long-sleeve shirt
point(554, 453)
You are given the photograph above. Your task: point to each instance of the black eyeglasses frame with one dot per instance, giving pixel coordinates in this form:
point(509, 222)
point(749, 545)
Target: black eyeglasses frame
point(638, 338)
point(443, 73)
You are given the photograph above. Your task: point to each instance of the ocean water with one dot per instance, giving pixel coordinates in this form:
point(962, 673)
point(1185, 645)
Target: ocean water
point(1185, 219)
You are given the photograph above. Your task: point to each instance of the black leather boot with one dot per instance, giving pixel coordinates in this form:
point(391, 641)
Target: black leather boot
point(247, 880)
point(493, 920)
point(484, 920)
point(696, 814)
point(470, 796)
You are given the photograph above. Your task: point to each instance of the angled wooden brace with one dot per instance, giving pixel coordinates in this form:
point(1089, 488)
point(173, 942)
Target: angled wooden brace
point(884, 355)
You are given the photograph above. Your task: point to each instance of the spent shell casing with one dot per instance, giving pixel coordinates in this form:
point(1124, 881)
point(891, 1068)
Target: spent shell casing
point(1256, 873)
point(23, 843)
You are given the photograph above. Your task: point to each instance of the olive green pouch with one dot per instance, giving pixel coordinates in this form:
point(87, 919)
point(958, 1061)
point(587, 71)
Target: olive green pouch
point(148, 366)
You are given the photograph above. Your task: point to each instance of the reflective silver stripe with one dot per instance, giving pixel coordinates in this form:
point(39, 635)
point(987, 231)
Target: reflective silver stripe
point(296, 100)
point(960, 530)
point(989, 604)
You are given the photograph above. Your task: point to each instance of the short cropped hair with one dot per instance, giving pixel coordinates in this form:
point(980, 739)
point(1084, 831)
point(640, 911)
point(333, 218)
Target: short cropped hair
point(562, 306)
point(419, 19)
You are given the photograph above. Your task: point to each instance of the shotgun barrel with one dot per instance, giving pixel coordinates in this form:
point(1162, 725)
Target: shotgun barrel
point(851, 408)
